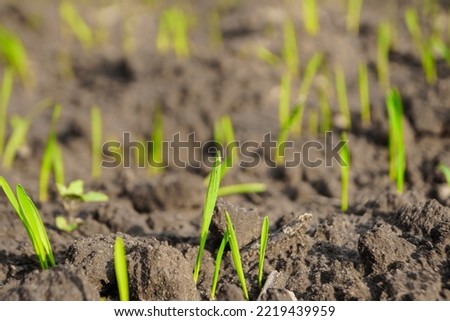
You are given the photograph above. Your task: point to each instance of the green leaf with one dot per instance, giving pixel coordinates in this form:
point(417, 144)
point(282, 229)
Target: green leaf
point(94, 197)
point(76, 187)
point(217, 264)
point(262, 249)
point(242, 189)
point(62, 224)
point(120, 267)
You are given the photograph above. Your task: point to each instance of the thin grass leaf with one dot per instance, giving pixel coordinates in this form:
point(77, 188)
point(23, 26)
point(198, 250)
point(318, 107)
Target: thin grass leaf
point(208, 211)
point(345, 172)
point(310, 17)
point(363, 82)
point(341, 89)
point(215, 32)
point(96, 132)
point(217, 264)
point(295, 117)
point(268, 57)
point(10, 196)
point(285, 98)
point(446, 171)
point(354, 15)
point(310, 72)
point(20, 128)
point(235, 253)
point(76, 24)
point(15, 55)
point(7, 85)
point(290, 51)
point(384, 40)
point(157, 156)
point(262, 249)
point(120, 267)
point(242, 189)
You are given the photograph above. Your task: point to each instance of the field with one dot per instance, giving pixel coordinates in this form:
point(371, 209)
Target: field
point(110, 92)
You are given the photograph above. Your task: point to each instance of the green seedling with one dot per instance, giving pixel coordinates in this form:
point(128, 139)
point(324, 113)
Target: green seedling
point(13, 52)
point(235, 253)
point(294, 118)
point(156, 155)
point(285, 98)
point(174, 32)
point(325, 110)
point(31, 220)
point(310, 72)
point(218, 263)
point(345, 172)
point(96, 132)
point(354, 15)
point(52, 159)
point(246, 188)
point(120, 267)
point(310, 17)
point(341, 89)
point(423, 46)
point(439, 46)
point(290, 51)
point(384, 41)
point(397, 151)
point(363, 82)
point(262, 249)
point(73, 196)
point(77, 25)
point(208, 211)
point(446, 171)
point(7, 85)
point(268, 57)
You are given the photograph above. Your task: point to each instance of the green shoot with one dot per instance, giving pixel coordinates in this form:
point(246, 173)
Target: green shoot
point(423, 46)
point(446, 171)
point(208, 211)
point(290, 51)
point(217, 264)
point(72, 196)
point(235, 253)
point(174, 32)
point(52, 159)
point(313, 122)
point(268, 57)
point(156, 156)
point(285, 98)
point(310, 17)
point(7, 85)
point(397, 151)
point(310, 72)
point(353, 15)
point(96, 131)
point(345, 172)
point(242, 189)
point(341, 89)
point(325, 110)
point(76, 24)
point(20, 128)
point(29, 215)
point(120, 267)
point(14, 54)
point(294, 118)
point(384, 41)
point(363, 81)
point(262, 249)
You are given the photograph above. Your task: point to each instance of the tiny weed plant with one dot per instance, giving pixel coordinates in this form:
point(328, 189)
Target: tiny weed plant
point(310, 17)
point(52, 159)
point(245, 188)
point(290, 51)
point(96, 132)
point(156, 156)
point(345, 172)
point(120, 267)
point(174, 32)
point(208, 211)
point(262, 249)
point(397, 151)
point(6, 89)
point(15, 55)
point(219, 257)
point(77, 25)
point(72, 196)
point(236, 255)
point(341, 89)
point(384, 40)
point(446, 171)
point(363, 82)
point(354, 15)
point(29, 215)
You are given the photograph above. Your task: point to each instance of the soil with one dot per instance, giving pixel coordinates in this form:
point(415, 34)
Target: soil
point(387, 246)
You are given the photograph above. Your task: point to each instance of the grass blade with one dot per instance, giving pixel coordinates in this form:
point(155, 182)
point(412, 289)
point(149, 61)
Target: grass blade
point(354, 15)
point(363, 81)
point(290, 51)
point(341, 89)
point(120, 267)
point(96, 132)
point(310, 17)
point(384, 40)
point(20, 128)
point(285, 98)
point(14, 53)
point(235, 253)
point(345, 172)
point(246, 188)
point(208, 211)
point(446, 171)
point(217, 264)
point(295, 117)
point(262, 249)
point(7, 85)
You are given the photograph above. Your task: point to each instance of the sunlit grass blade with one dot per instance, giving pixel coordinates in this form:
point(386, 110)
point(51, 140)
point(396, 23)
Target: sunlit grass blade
point(345, 172)
point(294, 118)
point(262, 249)
point(217, 265)
point(96, 132)
point(310, 72)
point(242, 189)
point(310, 17)
point(354, 15)
point(19, 132)
point(76, 24)
point(325, 111)
point(120, 267)
point(290, 51)
point(174, 32)
point(15, 55)
point(156, 155)
point(6, 89)
point(285, 98)
point(236, 255)
point(208, 211)
point(341, 89)
point(397, 151)
point(268, 57)
point(363, 82)
point(313, 122)
point(384, 40)
point(446, 171)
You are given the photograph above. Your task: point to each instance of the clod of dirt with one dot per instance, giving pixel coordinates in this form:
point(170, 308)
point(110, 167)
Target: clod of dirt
point(381, 247)
point(278, 295)
point(170, 191)
point(156, 270)
point(62, 283)
point(122, 217)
